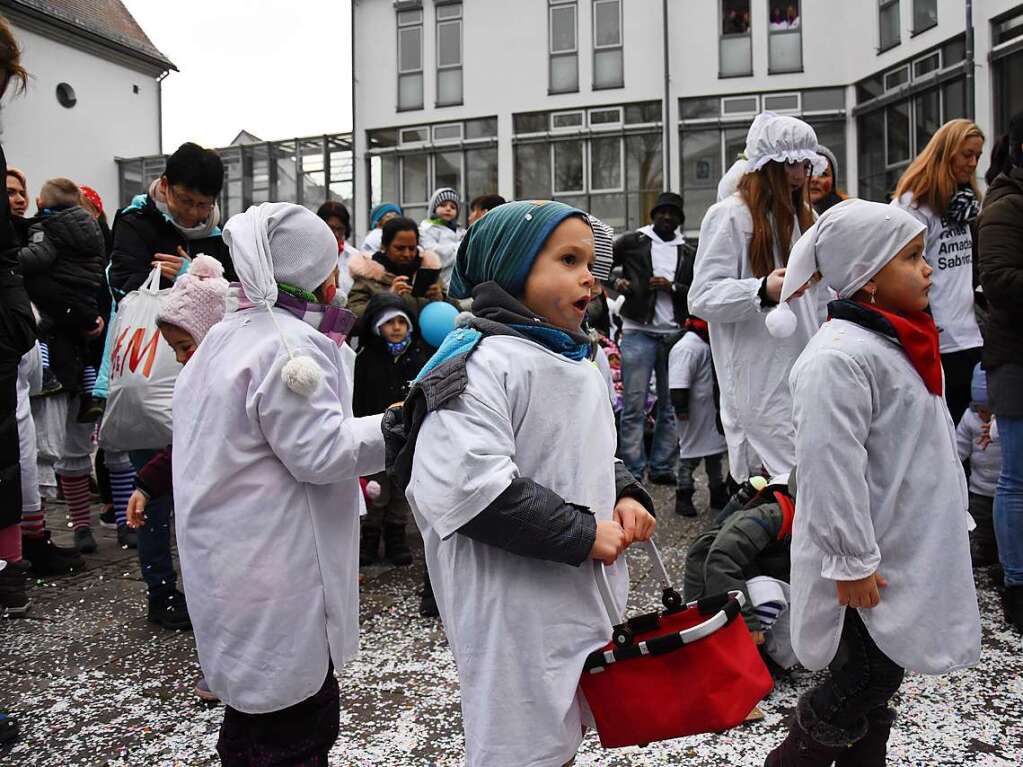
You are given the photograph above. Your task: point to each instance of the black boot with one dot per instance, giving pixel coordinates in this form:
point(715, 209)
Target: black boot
point(396, 545)
point(427, 602)
point(369, 545)
point(14, 601)
point(169, 610)
point(983, 544)
point(84, 540)
point(872, 749)
point(684, 503)
point(47, 558)
point(127, 538)
point(719, 497)
point(1012, 604)
point(810, 742)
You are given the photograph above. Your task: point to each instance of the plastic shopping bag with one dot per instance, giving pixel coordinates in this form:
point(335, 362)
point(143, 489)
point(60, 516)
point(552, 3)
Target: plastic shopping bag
point(142, 374)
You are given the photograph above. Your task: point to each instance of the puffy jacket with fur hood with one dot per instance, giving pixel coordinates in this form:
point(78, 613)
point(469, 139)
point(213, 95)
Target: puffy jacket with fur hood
point(371, 277)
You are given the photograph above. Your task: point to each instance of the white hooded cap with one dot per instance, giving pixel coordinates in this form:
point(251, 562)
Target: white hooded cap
point(282, 242)
point(782, 139)
point(848, 245)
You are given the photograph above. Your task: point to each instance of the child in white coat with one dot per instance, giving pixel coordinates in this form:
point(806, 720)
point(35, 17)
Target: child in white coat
point(514, 484)
point(881, 576)
point(980, 445)
point(267, 460)
point(440, 231)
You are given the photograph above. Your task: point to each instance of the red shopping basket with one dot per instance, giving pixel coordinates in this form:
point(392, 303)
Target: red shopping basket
point(690, 669)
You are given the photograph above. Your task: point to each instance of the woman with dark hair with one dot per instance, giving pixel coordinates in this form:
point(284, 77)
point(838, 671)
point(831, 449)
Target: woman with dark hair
point(744, 245)
point(393, 269)
point(824, 191)
point(17, 336)
point(340, 223)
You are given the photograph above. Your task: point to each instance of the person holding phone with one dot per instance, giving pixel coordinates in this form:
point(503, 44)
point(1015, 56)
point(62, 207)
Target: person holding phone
point(400, 267)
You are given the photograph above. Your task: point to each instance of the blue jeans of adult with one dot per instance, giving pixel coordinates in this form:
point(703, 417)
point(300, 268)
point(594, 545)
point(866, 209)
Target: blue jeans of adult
point(643, 355)
point(155, 538)
point(1009, 500)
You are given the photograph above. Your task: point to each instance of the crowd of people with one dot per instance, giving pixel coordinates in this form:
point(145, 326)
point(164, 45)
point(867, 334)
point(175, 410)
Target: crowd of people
point(848, 373)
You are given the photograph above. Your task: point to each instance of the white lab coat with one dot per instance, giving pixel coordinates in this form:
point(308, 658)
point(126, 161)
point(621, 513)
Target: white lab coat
point(519, 628)
point(690, 367)
point(443, 241)
point(752, 366)
point(880, 489)
point(267, 501)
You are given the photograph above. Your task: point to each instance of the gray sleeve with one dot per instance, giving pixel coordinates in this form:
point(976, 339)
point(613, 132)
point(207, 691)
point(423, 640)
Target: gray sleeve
point(532, 521)
point(627, 486)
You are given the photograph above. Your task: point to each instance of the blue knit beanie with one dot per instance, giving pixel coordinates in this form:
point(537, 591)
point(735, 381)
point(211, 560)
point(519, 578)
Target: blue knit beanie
point(380, 211)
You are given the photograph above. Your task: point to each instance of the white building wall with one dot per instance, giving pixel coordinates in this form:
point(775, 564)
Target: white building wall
point(44, 139)
point(505, 63)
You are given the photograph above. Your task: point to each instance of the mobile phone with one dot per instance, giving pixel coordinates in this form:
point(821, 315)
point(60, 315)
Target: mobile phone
point(423, 280)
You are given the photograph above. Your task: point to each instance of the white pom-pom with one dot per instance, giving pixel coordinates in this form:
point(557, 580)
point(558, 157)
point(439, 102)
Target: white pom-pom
point(462, 319)
point(206, 267)
point(302, 375)
point(373, 489)
point(781, 321)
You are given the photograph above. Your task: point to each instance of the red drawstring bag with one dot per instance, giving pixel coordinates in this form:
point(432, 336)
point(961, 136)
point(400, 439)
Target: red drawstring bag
point(690, 669)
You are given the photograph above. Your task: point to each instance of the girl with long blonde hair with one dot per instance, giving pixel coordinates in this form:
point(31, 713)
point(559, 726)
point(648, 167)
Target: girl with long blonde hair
point(744, 244)
point(939, 188)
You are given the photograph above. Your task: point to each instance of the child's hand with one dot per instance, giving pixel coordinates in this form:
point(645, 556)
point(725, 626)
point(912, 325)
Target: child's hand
point(985, 435)
point(637, 522)
point(137, 509)
point(862, 593)
point(609, 543)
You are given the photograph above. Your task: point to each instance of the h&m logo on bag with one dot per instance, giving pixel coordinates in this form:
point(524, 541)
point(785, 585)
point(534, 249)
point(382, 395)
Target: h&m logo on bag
point(133, 351)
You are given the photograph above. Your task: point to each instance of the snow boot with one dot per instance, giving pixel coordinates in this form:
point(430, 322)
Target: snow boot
point(396, 546)
point(169, 610)
point(47, 558)
point(369, 545)
point(1012, 605)
point(684, 503)
point(872, 749)
point(810, 742)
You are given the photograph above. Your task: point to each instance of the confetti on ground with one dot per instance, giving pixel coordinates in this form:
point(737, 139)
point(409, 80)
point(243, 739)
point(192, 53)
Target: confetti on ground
point(95, 684)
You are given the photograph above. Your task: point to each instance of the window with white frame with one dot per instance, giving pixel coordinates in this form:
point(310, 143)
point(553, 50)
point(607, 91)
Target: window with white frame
point(563, 46)
point(925, 15)
point(785, 39)
point(606, 159)
point(608, 65)
point(735, 46)
point(410, 59)
point(449, 54)
point(889, 25)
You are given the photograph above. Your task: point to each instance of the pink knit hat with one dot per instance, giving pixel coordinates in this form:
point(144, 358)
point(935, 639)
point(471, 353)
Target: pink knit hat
point(198, 299)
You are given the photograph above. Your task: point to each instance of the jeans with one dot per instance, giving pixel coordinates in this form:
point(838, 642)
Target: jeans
point(860, 679)
point(643, 355)
point(1009, 500)
point(715, 471)
point(155, 538)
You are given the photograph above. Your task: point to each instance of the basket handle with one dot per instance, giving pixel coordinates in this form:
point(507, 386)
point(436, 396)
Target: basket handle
point(669, 596)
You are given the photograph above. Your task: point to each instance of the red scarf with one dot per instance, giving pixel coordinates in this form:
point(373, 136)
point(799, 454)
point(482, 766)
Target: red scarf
point(918, 335)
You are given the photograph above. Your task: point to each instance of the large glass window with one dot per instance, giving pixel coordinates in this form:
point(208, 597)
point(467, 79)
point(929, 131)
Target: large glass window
point(925, 15)
point(449, 54)
point(605, 164)
point(1008, 90)
point(567, 165)
point(410, 59)
point(785, 39)
point(701, 172)
point(897, 141)
point(533, 171)
point(563, 47)
point(735, 46)
point(480, 172)
point(608, 66)
point(889, 24)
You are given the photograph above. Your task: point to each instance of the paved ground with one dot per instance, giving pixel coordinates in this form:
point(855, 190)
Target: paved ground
point(95, 684)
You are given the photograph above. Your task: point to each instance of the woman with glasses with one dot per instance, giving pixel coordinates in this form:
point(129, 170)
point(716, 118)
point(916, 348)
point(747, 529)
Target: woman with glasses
point(744, 245)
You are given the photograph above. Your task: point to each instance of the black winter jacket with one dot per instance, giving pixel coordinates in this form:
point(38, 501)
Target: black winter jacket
point(139, 234)
point(63, 267)
point(632, 254)
point(1000, 235)
point(382, 379)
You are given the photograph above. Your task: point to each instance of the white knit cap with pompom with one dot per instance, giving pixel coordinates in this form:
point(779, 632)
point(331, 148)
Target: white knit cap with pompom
point(282, 242)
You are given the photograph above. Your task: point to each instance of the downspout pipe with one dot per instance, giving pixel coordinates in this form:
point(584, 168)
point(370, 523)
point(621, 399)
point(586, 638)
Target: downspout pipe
point(159, 110)
point(971, 84)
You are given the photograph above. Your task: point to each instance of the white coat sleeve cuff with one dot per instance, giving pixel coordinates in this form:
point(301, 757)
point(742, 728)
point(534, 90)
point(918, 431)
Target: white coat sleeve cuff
point(369, 437)
point(839, 567)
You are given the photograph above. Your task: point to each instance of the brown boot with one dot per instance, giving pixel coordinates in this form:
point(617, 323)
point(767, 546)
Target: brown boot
point(810, 742)
point(872, 749)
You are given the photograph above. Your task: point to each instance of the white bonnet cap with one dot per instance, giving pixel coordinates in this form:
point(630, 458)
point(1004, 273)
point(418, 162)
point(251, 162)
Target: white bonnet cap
point(782, 139)
point(849, 244)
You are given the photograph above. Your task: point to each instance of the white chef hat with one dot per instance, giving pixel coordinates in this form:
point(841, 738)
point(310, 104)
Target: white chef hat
point(850, 243)
point(279, 242)
point(782, 139)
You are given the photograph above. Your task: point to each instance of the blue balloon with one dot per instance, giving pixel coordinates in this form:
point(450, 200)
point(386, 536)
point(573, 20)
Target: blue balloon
point(436, 320)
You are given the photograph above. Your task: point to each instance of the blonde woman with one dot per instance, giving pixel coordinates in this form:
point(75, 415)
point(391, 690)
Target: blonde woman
point(17, 192)
point(939, 189)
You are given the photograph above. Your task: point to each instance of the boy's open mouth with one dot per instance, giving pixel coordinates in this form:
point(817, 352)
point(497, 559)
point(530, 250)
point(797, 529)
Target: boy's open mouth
point(582, 303)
